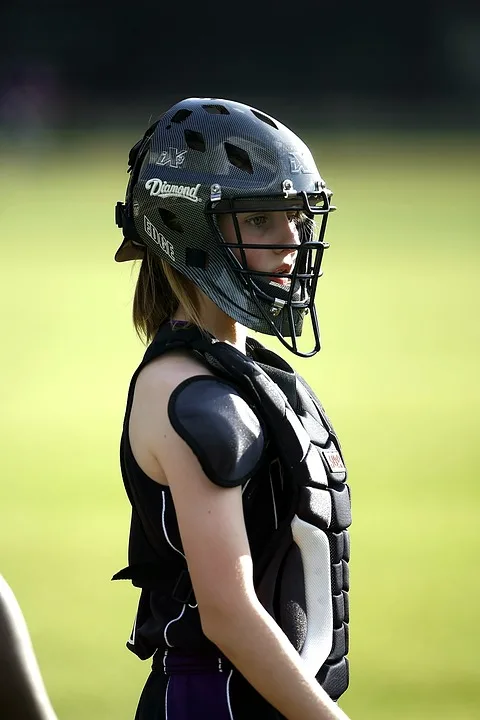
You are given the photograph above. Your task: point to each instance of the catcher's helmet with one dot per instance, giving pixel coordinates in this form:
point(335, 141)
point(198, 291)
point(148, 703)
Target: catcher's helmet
point(205, 157)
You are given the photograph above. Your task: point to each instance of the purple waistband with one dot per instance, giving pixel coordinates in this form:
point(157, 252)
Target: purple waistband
point(183, 662)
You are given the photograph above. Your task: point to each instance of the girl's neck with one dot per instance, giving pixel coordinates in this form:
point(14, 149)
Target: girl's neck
point(218, 323)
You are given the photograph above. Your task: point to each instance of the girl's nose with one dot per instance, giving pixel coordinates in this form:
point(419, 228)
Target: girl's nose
point(287, 232)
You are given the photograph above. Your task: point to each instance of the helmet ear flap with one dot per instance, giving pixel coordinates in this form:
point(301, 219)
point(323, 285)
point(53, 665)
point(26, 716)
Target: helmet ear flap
point(124, 211)
point(137, 152)
point(136, 157)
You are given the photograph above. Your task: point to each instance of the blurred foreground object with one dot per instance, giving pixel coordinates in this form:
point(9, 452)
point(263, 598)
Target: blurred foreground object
point(22, 691)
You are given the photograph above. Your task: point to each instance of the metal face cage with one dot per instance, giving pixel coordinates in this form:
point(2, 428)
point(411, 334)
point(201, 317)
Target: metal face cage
point(285, 304)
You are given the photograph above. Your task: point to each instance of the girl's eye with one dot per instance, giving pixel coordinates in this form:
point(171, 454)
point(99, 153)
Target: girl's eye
point(257, 220)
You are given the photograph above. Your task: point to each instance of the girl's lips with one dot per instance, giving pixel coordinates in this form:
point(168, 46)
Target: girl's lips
point(286, 269)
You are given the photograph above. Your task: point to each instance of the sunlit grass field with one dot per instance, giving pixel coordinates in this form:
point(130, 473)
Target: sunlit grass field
point(398, 374)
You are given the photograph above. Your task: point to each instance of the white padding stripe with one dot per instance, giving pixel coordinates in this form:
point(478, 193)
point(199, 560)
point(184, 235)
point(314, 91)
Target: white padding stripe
point(315, 551)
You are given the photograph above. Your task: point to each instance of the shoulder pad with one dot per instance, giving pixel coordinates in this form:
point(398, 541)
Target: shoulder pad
point(219, 426)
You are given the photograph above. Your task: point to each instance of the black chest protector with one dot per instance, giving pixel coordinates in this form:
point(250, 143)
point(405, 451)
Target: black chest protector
point(301, 574)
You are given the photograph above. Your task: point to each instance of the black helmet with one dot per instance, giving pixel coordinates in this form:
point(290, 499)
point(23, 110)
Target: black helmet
point(205, 157)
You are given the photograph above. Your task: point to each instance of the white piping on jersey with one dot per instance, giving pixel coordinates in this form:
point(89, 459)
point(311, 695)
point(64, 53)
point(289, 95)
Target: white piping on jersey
point(170, 542)
point(165, 529)
point(170, 622)
point(275, 519)
point(245, 486)
point(228, 695)
point(131, 639)
point(166, 699)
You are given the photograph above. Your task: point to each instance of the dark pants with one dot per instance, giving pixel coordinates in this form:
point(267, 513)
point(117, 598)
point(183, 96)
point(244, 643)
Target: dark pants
point(188, 686)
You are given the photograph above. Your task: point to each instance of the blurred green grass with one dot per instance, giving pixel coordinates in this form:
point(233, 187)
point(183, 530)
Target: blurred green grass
point(398, 374)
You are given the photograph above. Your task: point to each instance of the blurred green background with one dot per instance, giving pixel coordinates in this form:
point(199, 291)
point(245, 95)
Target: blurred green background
point(398, 374)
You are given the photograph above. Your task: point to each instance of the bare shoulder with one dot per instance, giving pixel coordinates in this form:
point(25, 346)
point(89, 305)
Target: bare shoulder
point(163, 374)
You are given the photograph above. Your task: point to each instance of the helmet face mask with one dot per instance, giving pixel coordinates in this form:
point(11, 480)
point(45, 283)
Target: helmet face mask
point(192, 167)
point(290, 293)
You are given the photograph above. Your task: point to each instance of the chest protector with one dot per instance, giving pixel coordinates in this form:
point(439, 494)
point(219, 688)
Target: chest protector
point(301, 575)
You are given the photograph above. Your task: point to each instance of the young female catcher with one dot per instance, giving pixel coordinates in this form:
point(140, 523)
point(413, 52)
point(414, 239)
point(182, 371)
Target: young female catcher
point(240, 508)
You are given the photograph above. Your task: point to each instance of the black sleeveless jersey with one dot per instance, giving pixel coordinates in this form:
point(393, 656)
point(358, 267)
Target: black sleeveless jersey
point(161, 621)
point(296, 509)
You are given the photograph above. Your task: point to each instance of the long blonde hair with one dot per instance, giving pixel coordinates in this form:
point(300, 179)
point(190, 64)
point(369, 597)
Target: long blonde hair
point(159, 291)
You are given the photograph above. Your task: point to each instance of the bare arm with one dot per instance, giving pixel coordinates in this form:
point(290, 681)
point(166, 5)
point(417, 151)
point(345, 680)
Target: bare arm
point(261, 651)
point(215, 541)
point(22, 692)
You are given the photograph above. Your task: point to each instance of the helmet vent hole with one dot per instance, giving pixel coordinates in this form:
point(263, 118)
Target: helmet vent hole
point(238, 157)
point(181, 115)
point(264, 118)
point(170, 220)
point(195, 140)
point(216, 109)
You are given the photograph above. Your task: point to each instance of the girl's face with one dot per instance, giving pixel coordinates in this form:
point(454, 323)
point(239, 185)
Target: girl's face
point(266, 228)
